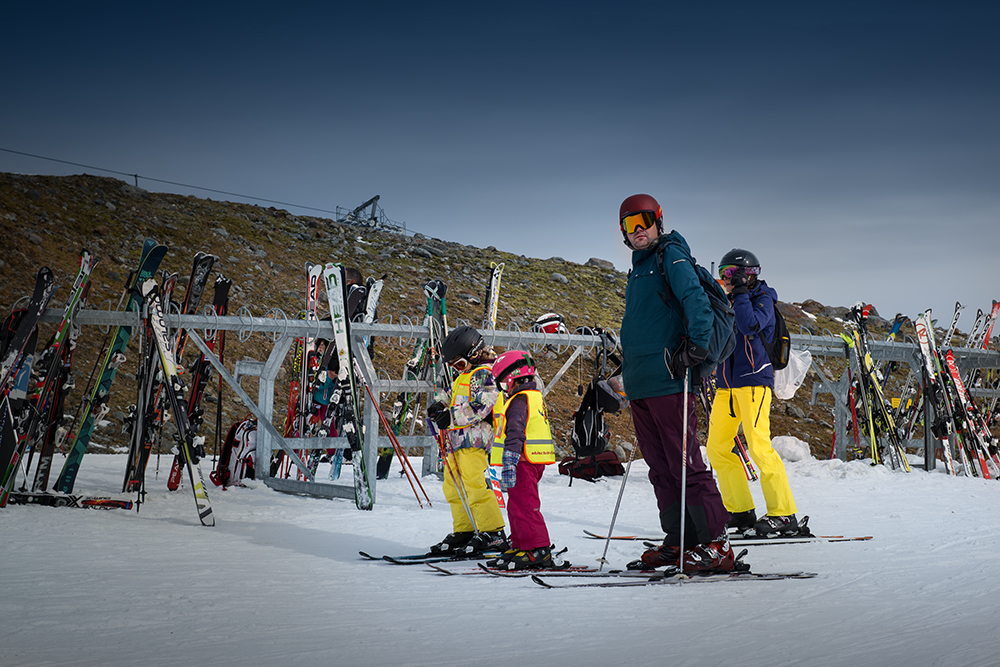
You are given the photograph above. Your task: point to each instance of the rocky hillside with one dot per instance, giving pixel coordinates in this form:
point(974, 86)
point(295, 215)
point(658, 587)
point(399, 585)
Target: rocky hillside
point(48, 220)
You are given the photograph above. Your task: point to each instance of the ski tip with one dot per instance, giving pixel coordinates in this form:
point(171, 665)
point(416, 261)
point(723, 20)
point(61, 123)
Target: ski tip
point(440, 570)
point(538, 580)
point(368, 556)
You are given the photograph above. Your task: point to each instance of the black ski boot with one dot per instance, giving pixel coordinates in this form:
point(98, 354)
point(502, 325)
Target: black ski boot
point(493, 540)
point(741, 522)
point(776, 525)
point(535, 559)
point(453, 543)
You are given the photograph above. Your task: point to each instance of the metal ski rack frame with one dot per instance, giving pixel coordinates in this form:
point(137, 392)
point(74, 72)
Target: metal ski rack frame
point(909, 353)
point(283, 332)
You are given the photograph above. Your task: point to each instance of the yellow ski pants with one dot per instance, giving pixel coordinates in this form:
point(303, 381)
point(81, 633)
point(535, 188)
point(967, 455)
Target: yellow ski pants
point(750, 406)
point(469, 465)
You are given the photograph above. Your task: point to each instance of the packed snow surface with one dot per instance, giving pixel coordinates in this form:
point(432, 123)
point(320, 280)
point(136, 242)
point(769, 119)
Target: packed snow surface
point(278, 580)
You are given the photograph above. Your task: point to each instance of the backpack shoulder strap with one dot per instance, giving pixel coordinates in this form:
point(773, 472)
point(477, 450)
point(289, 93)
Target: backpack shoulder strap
point(660, 251)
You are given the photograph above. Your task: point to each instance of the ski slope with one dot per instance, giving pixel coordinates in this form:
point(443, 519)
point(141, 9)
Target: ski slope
point(278, 581)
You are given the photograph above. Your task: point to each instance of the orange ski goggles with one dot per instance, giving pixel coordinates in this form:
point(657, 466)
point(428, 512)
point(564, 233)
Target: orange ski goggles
point(635, 221)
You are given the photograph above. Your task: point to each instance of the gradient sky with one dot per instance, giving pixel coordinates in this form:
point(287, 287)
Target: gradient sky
point(853, 146)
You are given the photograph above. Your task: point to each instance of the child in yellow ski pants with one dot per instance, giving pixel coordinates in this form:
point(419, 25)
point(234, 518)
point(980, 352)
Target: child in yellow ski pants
point(470, 465)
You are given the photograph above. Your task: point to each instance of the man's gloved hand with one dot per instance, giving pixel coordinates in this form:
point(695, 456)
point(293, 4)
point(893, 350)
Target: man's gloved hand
point(739, 281)
point(688, 355)
point(440, 415)
point(508, 477)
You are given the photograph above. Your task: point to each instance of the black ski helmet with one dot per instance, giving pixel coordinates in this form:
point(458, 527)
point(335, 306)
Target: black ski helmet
point(639, 204)
point(462, 341)
point(740, 257)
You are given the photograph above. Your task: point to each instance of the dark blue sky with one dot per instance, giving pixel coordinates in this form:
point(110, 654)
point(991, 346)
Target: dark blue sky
point(854, 147)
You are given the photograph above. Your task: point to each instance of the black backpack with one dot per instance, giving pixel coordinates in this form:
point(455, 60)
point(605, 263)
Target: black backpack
point(780, 347)
point(590, 435)
point(723, 340)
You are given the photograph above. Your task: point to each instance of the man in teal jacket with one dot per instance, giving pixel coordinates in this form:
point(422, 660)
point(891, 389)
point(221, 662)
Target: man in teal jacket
point(658, 349)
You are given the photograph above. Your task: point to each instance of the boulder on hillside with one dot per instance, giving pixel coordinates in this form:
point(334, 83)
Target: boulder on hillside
point(811, 306)
point(794, 314)
point(600, 263)
point(835, 312)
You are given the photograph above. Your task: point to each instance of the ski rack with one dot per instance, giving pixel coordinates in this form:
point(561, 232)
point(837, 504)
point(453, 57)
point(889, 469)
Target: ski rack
point(909, 353)
point(283, 333)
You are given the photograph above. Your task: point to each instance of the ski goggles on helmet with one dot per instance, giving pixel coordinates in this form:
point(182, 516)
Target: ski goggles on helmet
point(633, 222)
point(728, 270)
point(460, 364)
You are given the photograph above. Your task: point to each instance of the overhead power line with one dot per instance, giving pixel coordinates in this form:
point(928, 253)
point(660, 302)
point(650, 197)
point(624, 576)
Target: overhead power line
point(160, 180)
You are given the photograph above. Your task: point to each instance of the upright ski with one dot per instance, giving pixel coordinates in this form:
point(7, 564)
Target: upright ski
point(347, 403)
point(174, 388)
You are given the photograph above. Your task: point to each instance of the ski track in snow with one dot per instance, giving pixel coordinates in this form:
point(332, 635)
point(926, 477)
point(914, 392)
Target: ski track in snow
point(278, 580)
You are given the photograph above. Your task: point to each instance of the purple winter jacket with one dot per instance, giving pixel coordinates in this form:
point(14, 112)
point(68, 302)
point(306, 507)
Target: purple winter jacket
point(517, 419)
point(749, 365)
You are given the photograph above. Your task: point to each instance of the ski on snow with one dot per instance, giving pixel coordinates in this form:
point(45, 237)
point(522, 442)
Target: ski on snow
point(621, 579)
point(421, 559)
point(67, 500)
point(482, 569)
point(751, 539)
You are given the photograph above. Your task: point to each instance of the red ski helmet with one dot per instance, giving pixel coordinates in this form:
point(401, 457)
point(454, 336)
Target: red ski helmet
point(643, 205)
point(512, 365)
point(551, 323)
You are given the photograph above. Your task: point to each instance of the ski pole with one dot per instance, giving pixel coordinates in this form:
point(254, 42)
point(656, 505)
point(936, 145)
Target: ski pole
point(603, 560)
point(684, 467)
point(459, 486)
point(403, 458)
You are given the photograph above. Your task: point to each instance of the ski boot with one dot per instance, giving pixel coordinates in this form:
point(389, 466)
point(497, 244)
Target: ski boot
point(712, 557)
point(771, 526)
point(453, 543)
point(663, 555)
point(533, 559)
point(742, 522)
point(493, 540)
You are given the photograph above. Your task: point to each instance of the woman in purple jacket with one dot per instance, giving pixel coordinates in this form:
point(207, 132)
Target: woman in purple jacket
point(744, 384)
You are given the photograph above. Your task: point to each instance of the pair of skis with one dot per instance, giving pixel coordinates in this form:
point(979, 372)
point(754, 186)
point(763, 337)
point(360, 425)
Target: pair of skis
point(188, 444)
point(42, 417)
point(876, 415)
point(348, 402)
point(423, 365)
point(96, 405)
point(955, 413)
point(15, 376)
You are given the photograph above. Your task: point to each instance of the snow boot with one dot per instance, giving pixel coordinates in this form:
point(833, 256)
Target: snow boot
point(714, 556)
point(493, 540)
point(453, 543)
point(742, 521)
point(663, 555)
point(777, 525)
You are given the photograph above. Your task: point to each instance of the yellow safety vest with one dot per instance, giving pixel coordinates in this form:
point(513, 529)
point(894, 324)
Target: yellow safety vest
point(462, 387)
point(538, 445)
point(499, 431)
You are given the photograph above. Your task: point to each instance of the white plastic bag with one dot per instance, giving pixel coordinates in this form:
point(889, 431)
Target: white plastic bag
point(789, 378)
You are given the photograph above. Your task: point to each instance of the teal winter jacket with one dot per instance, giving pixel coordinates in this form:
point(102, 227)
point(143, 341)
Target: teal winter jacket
point(653, 325)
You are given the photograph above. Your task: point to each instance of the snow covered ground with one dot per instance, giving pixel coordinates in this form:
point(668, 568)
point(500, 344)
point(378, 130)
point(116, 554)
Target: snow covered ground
point(278, 581)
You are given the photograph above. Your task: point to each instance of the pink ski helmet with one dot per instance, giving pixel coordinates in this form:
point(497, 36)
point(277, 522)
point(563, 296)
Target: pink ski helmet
point(512, 365)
